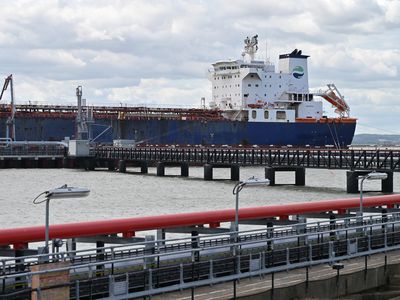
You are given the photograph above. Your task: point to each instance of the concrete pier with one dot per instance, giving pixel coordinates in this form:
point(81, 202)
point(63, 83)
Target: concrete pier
point(161, 168)
point(353, 181)
point(122, 166)
point(300, 174)
point(111, 165)
point(208, 171)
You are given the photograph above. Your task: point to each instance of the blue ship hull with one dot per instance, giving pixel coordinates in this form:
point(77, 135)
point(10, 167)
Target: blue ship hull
point(189, 132)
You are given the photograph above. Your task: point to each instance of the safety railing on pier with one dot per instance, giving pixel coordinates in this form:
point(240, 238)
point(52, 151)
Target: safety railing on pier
point(12, 149)
point(310, 158)
point(197, 264)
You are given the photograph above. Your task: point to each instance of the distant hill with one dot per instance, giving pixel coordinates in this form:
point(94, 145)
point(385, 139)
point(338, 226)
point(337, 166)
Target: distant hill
point(376, 139)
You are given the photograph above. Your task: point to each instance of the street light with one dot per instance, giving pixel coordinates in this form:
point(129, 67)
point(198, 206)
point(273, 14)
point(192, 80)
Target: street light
point(58, 193)
point(236, 190)
point(369, 176)
point(252, 181)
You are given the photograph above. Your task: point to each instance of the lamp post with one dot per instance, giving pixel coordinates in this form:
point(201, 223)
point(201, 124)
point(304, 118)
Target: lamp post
point(236, 190)
point(252, 181)
point(58, 193)
point(369, 176)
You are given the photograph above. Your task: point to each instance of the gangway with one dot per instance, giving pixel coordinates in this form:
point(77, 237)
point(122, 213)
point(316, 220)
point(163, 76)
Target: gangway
point(333, 96)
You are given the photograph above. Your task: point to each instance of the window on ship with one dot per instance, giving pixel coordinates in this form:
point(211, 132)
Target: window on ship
point(281, 115)
point(266, 114)
point(254, 114)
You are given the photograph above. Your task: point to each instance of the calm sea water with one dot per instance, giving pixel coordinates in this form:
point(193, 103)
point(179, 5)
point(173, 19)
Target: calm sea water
point(117, 195)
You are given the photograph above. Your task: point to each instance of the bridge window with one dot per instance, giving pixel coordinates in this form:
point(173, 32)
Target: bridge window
point(249, 84)
point(281, 115)
point(256, 85)
point(266, 114)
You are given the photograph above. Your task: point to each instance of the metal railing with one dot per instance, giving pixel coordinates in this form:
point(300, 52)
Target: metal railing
point(310, 158)
point(32, 149)
point(155, 271)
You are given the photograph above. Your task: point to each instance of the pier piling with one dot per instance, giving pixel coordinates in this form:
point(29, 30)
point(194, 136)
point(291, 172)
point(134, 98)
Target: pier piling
point(353, 181)
point(300, 174)
point(122, 166)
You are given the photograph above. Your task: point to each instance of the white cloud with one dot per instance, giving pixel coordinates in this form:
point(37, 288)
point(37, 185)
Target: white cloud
point(158, 52)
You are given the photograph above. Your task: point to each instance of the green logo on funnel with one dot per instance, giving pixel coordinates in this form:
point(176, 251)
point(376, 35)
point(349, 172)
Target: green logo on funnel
point(298, 72)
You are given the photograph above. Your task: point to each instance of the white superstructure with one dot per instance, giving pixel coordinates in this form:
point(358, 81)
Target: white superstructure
point(249, 89)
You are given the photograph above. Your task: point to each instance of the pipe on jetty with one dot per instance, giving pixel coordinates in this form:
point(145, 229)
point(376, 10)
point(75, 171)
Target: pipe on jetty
point(129, 225)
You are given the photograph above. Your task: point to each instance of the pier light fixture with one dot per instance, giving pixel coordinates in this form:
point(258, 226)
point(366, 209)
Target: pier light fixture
point(252, 181)
point(58, 193)
point(369, 176)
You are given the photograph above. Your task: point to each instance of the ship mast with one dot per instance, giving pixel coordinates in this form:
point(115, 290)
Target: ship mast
point(251, 47)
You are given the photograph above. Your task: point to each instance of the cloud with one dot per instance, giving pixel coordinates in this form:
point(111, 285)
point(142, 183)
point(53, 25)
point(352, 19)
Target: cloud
point(158, 52)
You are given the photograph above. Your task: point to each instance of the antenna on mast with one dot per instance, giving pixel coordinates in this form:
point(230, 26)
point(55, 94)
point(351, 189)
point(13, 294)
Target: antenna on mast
point(251, 47)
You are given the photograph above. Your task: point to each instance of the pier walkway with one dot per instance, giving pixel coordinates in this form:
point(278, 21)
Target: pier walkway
point(289, 157)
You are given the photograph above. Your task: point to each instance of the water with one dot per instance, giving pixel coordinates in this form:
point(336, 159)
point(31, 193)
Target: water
point(117, 195)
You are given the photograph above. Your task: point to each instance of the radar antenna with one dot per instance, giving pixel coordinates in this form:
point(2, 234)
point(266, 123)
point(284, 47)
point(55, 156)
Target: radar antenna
point(250, 46)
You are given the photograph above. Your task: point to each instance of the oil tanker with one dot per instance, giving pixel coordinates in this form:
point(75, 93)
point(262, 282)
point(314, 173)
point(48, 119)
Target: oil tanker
point(253, 103)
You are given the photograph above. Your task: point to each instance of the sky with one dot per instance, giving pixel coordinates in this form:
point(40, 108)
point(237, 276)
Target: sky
point(158, 52)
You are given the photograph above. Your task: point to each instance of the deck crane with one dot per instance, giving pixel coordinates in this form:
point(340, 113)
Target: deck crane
point(10, 120)
point(333, 96)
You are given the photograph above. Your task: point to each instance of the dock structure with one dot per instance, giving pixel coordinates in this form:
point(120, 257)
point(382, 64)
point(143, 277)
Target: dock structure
point(147, 266)
point(357, 162)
